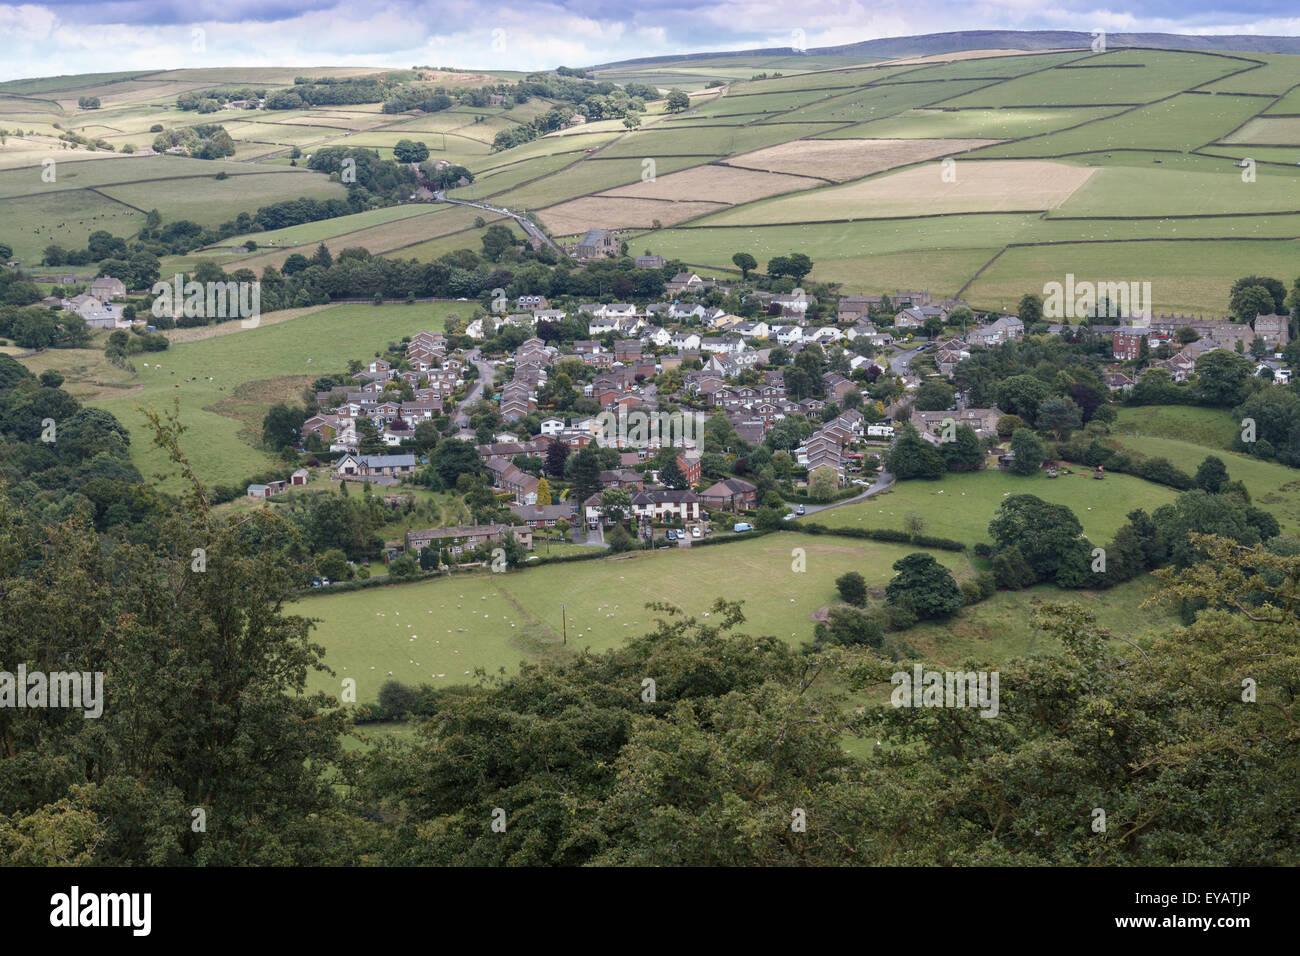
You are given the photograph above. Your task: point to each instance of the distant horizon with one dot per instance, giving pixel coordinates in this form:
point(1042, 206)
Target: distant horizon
point(71, 37)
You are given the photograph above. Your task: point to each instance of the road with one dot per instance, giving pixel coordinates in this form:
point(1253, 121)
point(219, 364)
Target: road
point(525, 223)
point(883, 480)
point(485, 374)
point(901, 363)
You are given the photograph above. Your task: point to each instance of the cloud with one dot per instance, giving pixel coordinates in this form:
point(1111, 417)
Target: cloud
point(75, 36)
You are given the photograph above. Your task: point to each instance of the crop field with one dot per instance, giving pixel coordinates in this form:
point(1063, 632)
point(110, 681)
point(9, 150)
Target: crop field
point(1129, 158)
point(843, 160)
point(975, 187)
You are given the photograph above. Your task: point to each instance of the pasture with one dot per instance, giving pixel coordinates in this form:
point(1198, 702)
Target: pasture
point(961, 506)
point(438, 630)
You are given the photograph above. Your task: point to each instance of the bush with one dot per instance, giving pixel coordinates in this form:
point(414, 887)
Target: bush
point(1011, 571)
point(852, 588)
point(396, 699)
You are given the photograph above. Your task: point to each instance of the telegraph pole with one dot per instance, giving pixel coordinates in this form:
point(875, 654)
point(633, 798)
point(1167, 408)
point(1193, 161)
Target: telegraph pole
point(564, 623)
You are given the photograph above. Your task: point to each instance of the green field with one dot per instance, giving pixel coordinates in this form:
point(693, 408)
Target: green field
point(251, 370)
point(463, 623)
point(1273, 487)
point(961, 506)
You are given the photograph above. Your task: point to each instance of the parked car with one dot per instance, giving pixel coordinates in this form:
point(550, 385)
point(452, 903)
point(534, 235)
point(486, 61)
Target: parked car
point(670, 534)
point(695, 532)
point(800, 510)
point(743, 526)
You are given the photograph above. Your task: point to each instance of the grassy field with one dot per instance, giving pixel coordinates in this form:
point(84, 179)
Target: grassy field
point(251, 369)
point(961, 506)
point(451, 626)
point(1273, 487)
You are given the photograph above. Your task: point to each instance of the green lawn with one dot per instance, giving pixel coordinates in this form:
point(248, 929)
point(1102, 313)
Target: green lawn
point(961, 506)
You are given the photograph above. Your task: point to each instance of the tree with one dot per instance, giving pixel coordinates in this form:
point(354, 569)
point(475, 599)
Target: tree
point(671, 474)
point(933, 396)
point(745, 263)
point(1030, 310)
point(852, 588)
point(1059, 416)
point(1041, 531)
point(451, 459)
point(965, 453)
point(913, 457)
point(282, 427)
point(678, 101)
point(925, 585)
point(848, 627)
point(408, 151)
point(584, 471)
point(823, 483)
point(1242, 297)
point(1022, 394)
point(1008, 424)
point(1029, 452)
point(1211, 475)
point(543, 492)
point(557, 453)
point(1222, 377)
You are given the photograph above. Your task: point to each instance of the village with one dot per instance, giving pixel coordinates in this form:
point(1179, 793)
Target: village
point(683, 359)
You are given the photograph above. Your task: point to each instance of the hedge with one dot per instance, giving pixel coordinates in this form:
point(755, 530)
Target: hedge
point(883, 534)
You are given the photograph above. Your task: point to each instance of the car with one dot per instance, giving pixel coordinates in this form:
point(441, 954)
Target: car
point(695, 532)
point(592, 150)
point(742, 526)
point(800, 510)
point(788, 516)
point(670, 534)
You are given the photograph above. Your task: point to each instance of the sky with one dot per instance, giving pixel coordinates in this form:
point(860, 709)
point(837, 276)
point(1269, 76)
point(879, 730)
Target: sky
point(74, 36)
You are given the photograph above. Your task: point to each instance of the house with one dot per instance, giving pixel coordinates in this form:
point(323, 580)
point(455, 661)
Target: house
point(651, 262)
point(912, 318)
point(787, 334)
point(731, 494)
point(1273, 329)
point(1004, 329)
point(598, 244)
point(532, 302)
point(684, 282)
point(622, 478)
point(666, 505)
point(508, 477)
point(931, 425)
point(1117, 382)
point(467, 537)
point(544, 516)
point(836, 386)
point(797, 302)
point(685, 341)
point(374, 466)
point(1126, 342)
point(106, 287)
point(690, 466)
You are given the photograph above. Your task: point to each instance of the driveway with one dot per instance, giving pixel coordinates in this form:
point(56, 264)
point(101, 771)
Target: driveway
point(883, 480)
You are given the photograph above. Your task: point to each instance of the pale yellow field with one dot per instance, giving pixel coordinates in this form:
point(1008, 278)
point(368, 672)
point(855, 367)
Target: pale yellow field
point(609, 212)
point(976, 186)
point(715, 184)
point(841, 160)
